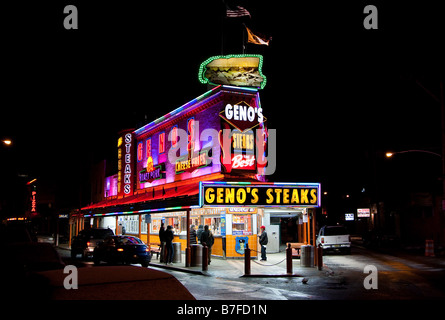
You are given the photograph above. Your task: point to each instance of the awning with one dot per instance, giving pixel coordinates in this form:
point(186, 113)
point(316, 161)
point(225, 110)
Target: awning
point(152, 199)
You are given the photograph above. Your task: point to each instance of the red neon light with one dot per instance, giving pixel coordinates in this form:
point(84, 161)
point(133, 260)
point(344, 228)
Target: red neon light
point(174, 136)
point(140, 151)
point(191, 134)
point(161, 142)
point(33, 201)
point(148, 147)
point(243, 161)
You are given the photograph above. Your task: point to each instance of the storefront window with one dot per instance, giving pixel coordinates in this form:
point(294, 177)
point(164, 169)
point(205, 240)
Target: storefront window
point(130, 224)
point(242, 224)
point(143, 226)
point(195, 220)
point(214, 224)
point(155, 225)
point(175, 222)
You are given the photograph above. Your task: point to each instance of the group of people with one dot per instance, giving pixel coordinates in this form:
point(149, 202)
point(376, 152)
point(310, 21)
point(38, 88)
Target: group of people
point(203, 235)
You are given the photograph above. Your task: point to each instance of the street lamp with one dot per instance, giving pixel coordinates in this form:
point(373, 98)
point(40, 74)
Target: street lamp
point(390, 154)
point(7, 142)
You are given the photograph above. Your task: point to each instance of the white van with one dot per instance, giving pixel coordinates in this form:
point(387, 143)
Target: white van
point(334, 238)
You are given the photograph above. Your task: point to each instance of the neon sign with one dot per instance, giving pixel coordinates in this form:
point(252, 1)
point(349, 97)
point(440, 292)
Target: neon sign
point(243, 161)
point(195, 161)
point(151, 173)
point(241, 70)
point(33, 202)
point(125, 165)
point(242, 116)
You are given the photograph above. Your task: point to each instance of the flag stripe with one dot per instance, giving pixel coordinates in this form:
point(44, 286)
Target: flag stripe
point(238, 12)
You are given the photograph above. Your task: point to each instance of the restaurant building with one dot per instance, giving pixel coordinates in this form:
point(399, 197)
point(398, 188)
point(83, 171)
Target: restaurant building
point(204, 163)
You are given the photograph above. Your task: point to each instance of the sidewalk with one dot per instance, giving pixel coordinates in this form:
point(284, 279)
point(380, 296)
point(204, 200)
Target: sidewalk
point(275, 266)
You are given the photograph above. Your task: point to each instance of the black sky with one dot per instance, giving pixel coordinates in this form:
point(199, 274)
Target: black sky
point(337, 94)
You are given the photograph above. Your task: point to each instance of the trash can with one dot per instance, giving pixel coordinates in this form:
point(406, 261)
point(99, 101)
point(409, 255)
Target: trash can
point(307, 256)
point(196, 255)
point(176, 252)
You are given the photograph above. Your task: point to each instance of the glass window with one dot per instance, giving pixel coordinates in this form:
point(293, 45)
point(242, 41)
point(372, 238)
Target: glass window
point(128, 241)
point(195, 220)
point(129, 223)
point(335, 231)
point(143, 226)
point(155, 225)
point(175, 222)
point(241, 224)
point(214, 224)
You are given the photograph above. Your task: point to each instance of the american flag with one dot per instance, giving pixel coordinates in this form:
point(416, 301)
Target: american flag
point(236, 13)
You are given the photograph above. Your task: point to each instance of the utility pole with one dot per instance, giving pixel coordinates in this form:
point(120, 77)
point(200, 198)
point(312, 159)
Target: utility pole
point(442, 214)
point(442, 107)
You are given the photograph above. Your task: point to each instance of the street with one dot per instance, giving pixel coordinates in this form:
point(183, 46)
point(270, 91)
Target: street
point(399, 277)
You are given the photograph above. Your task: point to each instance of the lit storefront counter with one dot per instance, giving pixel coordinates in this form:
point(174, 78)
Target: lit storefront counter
point(228, 225)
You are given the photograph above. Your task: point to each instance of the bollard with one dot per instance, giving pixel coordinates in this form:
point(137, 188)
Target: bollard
point(289, 259)
point(429, 248)
point(188, 257)
point(247, 260)
point(320, 257)
point(205, 258)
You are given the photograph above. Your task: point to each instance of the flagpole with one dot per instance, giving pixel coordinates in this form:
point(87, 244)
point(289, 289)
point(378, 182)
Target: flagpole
point(223, 15)
point(244, 38)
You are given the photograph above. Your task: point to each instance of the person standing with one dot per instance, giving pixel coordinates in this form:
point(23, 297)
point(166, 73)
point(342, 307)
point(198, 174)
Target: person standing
point(263, 242)
point(169, 244)
point(162, 241)
point(199, 232)
point(192, 235)
point(208, 240)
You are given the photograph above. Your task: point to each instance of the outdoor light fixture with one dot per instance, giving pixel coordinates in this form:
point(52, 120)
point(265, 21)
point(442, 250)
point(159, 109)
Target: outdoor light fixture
point(7, 142)
point(390, 154)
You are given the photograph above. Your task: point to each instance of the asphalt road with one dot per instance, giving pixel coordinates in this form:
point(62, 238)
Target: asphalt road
point(399, 276)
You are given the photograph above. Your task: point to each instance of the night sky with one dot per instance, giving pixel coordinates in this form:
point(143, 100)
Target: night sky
point(338, 95)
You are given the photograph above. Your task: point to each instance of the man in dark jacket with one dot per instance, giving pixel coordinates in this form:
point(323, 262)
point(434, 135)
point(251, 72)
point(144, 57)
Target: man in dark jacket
point(162, 241)
point(263, 242)
point(199, 232)
point(208, 240)
point(192, 235)
point(169, 244)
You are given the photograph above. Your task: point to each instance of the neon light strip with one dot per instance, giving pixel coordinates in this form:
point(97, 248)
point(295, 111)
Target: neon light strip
point(139, 211)
point(294, 184)
point(152, 124)
point(203, 67)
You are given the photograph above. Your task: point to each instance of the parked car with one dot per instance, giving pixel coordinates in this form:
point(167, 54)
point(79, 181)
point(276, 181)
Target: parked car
point(334, 238)
point(87, 239)
point(124, 249)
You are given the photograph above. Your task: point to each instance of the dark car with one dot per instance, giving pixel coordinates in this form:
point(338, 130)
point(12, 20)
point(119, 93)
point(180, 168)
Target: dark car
point(124, 249)
point(87, 239)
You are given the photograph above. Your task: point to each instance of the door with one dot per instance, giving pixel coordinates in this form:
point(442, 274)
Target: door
point(273, 235)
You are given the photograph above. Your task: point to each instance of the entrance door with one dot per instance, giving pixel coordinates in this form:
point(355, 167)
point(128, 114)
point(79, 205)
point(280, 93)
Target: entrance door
point(273, 235)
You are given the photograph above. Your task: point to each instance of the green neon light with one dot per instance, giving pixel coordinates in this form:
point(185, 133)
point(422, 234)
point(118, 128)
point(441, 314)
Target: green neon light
point(203, 67)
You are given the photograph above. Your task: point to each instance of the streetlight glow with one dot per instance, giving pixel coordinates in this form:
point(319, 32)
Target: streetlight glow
point(389, 154)
point(7, 142)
